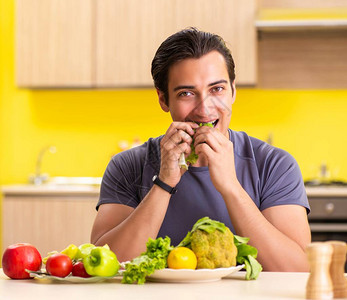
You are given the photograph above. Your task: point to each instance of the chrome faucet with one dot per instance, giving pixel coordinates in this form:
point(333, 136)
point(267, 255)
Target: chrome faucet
point(324, 173)
point(269, 139)
point(39, 178)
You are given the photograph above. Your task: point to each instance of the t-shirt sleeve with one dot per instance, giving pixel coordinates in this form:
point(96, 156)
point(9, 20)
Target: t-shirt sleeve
point(120, 181)
point(282, 182)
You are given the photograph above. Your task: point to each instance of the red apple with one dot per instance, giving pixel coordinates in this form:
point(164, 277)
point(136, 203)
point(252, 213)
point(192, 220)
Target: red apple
point(79, 270)
point(19, 257)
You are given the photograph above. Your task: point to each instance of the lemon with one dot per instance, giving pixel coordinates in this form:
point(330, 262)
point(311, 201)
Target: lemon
point(182, 258)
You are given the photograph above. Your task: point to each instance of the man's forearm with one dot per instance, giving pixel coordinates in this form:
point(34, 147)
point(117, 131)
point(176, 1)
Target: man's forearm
point(276, 250)
point(128, 239)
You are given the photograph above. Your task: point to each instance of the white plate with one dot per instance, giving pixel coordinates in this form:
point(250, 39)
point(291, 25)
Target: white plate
point(186, 275)
point(71, 279)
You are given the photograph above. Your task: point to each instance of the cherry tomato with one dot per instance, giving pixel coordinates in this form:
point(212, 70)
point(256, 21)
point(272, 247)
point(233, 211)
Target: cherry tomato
point(59, 265)
point(79, 270)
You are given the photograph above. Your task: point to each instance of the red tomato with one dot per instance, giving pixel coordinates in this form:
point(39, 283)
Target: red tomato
point(59, 265)
point(79, 270)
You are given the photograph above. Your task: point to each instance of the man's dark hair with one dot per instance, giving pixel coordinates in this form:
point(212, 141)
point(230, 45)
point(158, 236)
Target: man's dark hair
point(187, 43)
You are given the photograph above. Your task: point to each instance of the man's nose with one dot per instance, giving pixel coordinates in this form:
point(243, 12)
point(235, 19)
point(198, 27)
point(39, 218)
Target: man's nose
point(204, 106)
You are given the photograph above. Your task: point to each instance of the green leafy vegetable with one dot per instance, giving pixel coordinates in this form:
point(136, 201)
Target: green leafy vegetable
point(209, 225)
point(193, 157)
point(247, 254)
point(205, 224)
point(153, 259)
point(213, 244)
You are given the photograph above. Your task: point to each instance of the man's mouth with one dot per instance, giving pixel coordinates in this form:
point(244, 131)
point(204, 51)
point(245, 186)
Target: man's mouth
point(213, 123)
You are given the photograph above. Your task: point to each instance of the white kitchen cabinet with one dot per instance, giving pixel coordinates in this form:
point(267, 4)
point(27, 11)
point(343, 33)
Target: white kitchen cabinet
point(111, 43)
point(49, 220)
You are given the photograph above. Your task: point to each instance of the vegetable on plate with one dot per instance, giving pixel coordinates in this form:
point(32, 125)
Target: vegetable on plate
point(155, 258)
point(101, 262)
point(213, 244)
point(59, 265)
point(216, 246)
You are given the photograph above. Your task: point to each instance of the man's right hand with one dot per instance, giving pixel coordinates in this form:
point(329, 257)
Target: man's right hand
point(177, 140)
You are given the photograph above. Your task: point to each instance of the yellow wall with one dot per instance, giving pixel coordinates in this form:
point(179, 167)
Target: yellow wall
point(87, 125)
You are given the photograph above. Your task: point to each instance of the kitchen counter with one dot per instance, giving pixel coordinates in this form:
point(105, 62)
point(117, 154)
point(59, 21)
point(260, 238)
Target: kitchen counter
point(327, 191)
point(30, 189)
point(269, 285)
point(50, 189)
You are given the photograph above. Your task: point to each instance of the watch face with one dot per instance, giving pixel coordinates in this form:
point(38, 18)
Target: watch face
point(154, 177)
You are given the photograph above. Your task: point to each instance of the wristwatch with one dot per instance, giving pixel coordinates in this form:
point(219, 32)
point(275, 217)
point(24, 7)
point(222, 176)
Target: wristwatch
point(163, 185)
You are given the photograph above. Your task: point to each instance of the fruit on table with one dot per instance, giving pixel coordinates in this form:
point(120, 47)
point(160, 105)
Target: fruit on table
point(59, 265)
point(71, 251)
point(84, 250)
point(49, 254)
point(79, 270)
point(74, 252)
point(19, 257)
point(101, 262)
point(182, 258)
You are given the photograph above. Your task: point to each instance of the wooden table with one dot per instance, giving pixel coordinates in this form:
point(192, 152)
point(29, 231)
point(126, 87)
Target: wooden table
point(269, 285)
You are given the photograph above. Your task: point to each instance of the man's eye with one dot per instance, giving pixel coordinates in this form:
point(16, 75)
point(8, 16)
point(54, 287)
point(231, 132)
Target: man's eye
point(185, 94)
point(217, 89)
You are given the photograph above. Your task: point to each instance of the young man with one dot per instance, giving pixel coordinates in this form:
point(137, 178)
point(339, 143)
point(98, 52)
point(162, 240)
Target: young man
point(252, 187)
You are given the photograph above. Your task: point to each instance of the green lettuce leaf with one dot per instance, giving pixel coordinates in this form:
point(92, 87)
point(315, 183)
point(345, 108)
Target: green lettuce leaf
point(155, 258)
point(247, 254)
point(243, 250)
point(205, 224)
point(240, 240)
point(138, 269)
point(208, 225)
point(193, 157)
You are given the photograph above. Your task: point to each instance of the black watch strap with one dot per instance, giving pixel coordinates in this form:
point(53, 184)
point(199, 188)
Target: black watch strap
point(163, 185)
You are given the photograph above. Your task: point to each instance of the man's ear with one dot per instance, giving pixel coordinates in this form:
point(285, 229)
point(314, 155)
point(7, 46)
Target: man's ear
point(162, 103)
point(233, 92)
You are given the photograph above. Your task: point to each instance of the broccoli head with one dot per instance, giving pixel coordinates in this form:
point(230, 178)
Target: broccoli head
point(213, 244)
point(215, 249)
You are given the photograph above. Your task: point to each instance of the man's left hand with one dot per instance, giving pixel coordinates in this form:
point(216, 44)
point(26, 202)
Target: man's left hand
point(219, 152)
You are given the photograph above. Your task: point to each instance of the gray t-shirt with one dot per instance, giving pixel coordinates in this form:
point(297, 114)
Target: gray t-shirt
point(269, 175)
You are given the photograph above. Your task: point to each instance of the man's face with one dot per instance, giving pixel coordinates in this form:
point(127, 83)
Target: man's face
point(200, 91)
